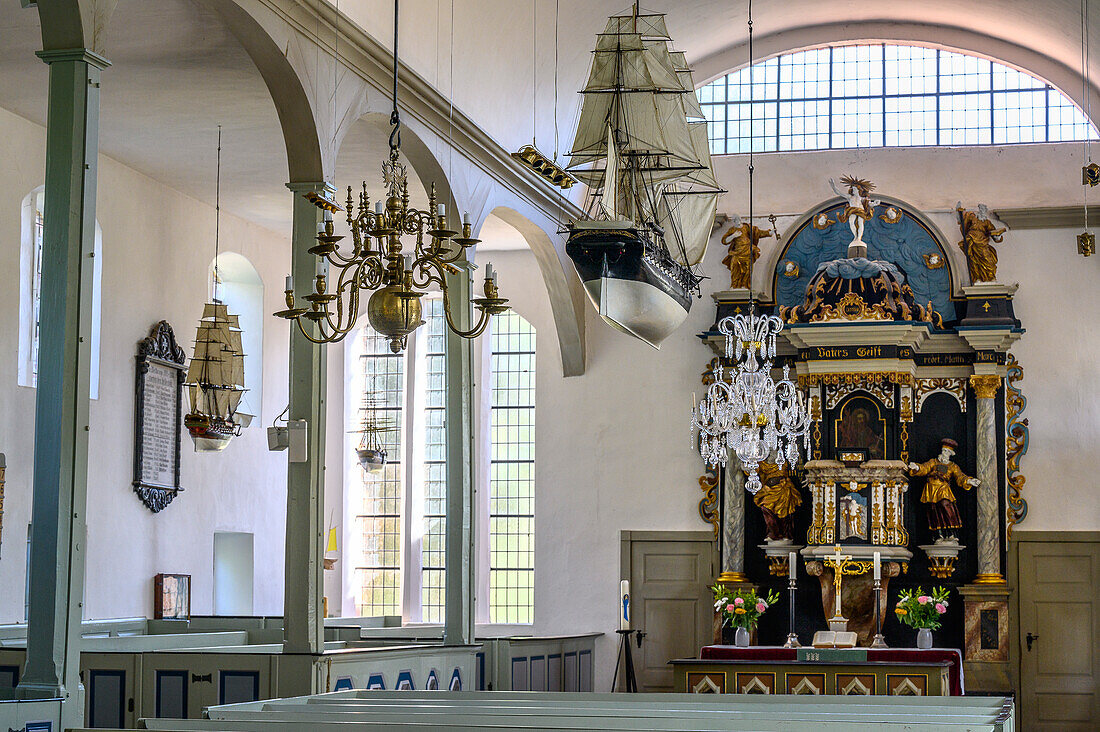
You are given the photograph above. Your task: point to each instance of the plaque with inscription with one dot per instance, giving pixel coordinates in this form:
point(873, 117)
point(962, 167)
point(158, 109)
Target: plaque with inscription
point(158, 417)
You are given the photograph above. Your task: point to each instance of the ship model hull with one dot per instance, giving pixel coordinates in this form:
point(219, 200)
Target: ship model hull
point(632, 282)
point(208, 435)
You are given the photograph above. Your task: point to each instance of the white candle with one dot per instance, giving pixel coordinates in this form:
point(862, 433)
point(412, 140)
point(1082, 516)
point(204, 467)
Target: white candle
point(328, 215)
point(624, 605)
point(489, 273)
point(378, 208)
point(878, 566)
point(320, 227)
point(289, 283)
point(441, 210)
point(466, 218)
point(792, 560)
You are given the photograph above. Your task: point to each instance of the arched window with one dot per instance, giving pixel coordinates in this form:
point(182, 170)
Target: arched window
point(30, 291)
point(242, 290)
point(883, 95)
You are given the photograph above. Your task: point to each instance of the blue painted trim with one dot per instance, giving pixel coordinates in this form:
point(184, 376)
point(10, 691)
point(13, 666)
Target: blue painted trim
point(433, 675)
point(95, 674)
point(479, 657)
point(456, 677)
point(161, 674)
point(343, 684)
point(376, 682)
point(223, 675)
point(405, 675)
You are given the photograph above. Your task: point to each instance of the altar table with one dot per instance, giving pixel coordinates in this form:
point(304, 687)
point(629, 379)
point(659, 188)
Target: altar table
point(777, 670)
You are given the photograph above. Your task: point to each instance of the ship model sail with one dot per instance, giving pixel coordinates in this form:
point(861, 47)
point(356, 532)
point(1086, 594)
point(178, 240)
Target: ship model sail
point(641, 148)
point(215, 380)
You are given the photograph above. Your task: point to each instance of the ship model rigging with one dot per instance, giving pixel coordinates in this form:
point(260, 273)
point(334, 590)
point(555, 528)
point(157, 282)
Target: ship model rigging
point(375, 426)
point(215, 380)
point(641, 148)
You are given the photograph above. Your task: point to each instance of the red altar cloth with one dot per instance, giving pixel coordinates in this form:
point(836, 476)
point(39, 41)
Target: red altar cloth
point(903, 655)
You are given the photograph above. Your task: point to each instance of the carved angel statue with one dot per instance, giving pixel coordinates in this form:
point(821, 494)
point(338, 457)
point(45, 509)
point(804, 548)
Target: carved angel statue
point(860, 206)
point(978, 230)
point(743, 251)
point(943, 514)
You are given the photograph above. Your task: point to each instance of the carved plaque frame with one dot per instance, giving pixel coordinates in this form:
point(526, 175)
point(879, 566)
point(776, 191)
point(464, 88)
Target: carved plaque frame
point(159, 348)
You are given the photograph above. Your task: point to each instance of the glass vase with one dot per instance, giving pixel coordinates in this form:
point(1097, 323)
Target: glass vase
point(924, 638)
point(741, 638)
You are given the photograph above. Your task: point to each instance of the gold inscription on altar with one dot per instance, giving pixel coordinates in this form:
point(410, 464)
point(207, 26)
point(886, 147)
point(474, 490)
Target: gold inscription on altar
point(869, 352)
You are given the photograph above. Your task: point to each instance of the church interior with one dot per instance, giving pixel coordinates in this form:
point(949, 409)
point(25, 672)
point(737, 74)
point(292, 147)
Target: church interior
point(360, 445)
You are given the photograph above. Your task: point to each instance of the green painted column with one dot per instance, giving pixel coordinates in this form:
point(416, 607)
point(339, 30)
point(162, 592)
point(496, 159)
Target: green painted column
point(303, 619)
point(64, 360)
point(458, 625)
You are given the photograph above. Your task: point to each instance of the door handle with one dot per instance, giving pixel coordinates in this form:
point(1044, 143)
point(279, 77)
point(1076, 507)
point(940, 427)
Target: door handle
point(195, 678)
point(1030, 639)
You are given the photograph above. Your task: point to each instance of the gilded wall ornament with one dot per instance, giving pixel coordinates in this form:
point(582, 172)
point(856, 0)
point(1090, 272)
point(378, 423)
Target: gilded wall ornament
point(934, 260)
point(791, 270)
point(985, 386)
point(851, 307)
point(955, 386)
point(1086, 244)
point(1017, 443)
point(892, 215)
point(855, 377)
point(708, 505)
point(822, 221)
point(880, 389)
point(1090, 175)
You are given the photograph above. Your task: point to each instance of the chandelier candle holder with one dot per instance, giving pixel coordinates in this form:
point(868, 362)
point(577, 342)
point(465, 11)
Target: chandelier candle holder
point(748, 412)
point(379, 264)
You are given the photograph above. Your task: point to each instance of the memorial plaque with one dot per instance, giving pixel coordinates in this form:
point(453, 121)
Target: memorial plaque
point(158, 417)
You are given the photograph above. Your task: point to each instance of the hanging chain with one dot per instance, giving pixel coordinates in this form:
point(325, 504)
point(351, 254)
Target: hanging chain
point(395, 117)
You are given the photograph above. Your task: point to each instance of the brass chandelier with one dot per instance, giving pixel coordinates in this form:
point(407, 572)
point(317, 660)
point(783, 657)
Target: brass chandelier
point(378, 264)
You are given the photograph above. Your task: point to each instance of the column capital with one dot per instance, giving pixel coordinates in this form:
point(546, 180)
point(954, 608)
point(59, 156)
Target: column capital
point(985, 386)
point(73, 54)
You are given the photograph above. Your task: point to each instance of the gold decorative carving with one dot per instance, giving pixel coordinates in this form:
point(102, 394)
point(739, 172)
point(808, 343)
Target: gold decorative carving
point(985, 386)
point(953, 385)
point(743, 249)
point(822, 221)
point(979, 233)
point(1090, 175)
point(941, 567)
point(790, 269)
point(856, 378)
point(536, 161)
point(815, 417)
point(778, 566)
point(880, 389)
point(934, 260)
point(851, 307)
point(708, 504)
point(904, 441)
point(892, 215)
point(1086, 244)
point(1016, 437)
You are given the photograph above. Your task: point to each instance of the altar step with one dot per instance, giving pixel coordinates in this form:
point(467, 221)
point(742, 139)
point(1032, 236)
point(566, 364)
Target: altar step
point(465, 711)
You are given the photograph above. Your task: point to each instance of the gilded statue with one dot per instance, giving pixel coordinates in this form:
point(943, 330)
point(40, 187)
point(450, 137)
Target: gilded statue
point(978, 230)
point(778, 499)
point(743, 251)
point(943, 514)
point(860, 207)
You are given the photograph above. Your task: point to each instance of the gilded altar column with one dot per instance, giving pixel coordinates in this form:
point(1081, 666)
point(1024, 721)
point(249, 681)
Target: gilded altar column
point(985, 388)
point(733, 523)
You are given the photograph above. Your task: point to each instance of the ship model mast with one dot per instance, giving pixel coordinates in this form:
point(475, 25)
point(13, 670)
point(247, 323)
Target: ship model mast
point(642, 149)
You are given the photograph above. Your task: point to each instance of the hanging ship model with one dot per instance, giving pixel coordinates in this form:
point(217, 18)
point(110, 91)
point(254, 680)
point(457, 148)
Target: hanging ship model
point(374, 427)
point(641, 148)
point(215, 380)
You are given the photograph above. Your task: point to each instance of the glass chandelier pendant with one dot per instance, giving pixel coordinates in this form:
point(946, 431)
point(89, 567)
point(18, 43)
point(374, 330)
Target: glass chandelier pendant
point(748, 412)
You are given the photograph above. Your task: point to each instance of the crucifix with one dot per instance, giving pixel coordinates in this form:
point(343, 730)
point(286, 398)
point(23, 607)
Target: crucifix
point(842, 564)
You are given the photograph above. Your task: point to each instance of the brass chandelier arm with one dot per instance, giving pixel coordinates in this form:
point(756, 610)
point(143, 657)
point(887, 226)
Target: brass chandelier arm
point(474, 332)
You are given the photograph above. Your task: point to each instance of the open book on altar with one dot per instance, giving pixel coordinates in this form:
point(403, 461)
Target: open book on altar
point(834, 639)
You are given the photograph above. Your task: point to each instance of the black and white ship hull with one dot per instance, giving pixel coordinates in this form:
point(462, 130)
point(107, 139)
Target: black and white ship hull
point(632, 281)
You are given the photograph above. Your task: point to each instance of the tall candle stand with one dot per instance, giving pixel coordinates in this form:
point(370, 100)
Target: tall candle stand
point(879, 641)
point(792, 582)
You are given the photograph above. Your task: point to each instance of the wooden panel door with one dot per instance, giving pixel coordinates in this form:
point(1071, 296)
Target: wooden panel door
point(669, 581)
point(1060, 604)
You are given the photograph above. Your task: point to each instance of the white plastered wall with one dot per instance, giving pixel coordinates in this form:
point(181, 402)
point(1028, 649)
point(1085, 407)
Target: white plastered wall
point(157, 247)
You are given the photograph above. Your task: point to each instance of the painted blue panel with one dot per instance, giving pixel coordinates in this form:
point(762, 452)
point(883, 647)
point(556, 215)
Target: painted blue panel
point(480, 656)
point(106, 698)
point(45, 726)
point(235, 687)
point(343, 684)
point(405, 681)
point(456, 681)
point(904, 244)
point(376, 682)
point(171, 694)
point(432, 684)
point(519, 674)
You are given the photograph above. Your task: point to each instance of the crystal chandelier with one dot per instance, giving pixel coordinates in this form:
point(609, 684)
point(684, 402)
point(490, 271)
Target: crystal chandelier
point(749, 412)
point(377, 262)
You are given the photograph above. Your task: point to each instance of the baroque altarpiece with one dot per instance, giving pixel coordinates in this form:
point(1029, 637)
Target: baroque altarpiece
point(916, 438)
